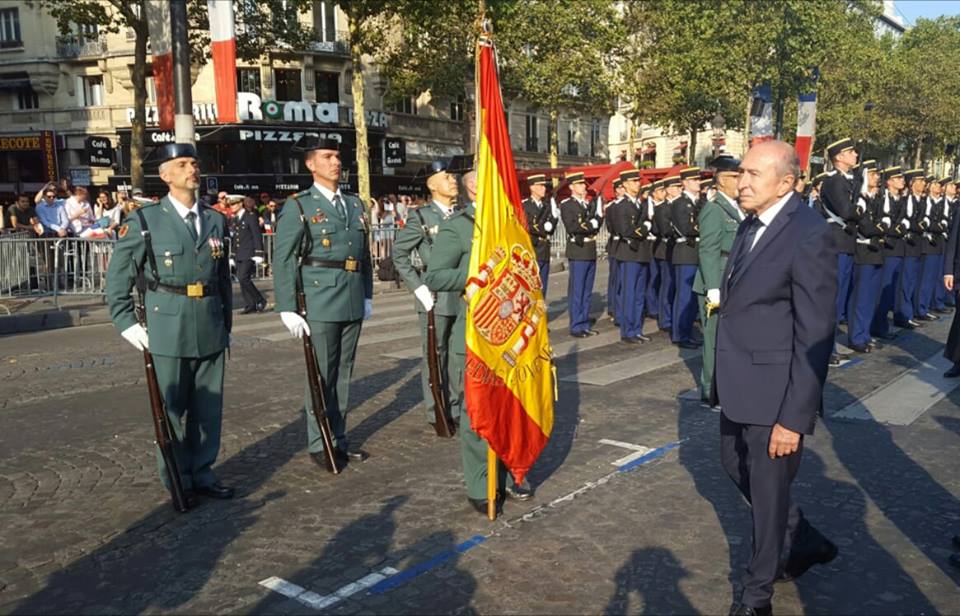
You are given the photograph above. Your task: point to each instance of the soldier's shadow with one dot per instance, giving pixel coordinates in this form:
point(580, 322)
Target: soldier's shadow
point(653, 574)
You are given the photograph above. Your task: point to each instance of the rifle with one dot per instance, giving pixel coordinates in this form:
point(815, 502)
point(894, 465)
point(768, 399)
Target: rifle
point(314, 378)
point(161, 423)
point(443, 424)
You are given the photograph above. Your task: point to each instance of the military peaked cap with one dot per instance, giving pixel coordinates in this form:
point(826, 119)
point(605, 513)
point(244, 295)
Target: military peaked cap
point(537, 178)
point(870, 165)
point(670, 181)
point(170, 151)
point(629, 174)
point(893, 172)
point(308, 143)
point(820, 178)
point(437, 166)
point(576, 176)
point(690, 173)
point(725, 164)
point(839, 146)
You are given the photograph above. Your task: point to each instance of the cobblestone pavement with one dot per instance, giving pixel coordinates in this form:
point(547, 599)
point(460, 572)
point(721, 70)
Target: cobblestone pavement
point(85, 527)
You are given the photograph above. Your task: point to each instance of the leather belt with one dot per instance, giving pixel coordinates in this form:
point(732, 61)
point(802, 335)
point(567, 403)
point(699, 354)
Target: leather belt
point(197, 290)
point(350, 265)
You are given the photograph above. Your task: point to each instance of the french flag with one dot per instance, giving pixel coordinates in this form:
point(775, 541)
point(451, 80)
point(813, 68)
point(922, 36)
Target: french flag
point(161, 42)
point(806, 127)
point(224, 51)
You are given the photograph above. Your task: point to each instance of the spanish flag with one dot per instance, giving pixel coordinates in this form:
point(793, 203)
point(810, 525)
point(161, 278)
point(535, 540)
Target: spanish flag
point(508, 377)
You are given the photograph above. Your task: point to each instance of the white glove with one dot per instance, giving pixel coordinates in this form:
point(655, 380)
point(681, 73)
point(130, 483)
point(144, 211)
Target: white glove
point(713, 296)
point(594, 223)
point(295, 324)
point(885, 220)
point(423, 294)
point(258, 260)
point(367, 308)
point(905, 223)
point(548, 226)
point(647, 225)
point(232, 262)
point(137, 336)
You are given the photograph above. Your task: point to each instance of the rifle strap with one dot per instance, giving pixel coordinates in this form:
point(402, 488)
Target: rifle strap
point(151, 258)
point(423, 227)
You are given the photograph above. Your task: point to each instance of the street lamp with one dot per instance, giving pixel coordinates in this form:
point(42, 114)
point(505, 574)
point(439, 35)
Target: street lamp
point(718, 123)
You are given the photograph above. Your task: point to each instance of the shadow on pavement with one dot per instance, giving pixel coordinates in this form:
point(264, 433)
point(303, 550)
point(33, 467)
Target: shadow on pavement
point(652, 574)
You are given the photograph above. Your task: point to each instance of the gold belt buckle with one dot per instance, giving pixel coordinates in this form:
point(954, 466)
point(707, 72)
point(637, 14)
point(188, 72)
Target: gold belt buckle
point(351, 264)
point(195, 290)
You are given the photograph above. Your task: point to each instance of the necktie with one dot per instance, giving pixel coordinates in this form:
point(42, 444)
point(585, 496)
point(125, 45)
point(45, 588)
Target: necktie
point(752, 226)
point(338, 203)
point(192, 224)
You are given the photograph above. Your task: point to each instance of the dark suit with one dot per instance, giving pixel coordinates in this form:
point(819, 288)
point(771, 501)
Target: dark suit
point(951, 267)
point(774, 338)
point(247, 244)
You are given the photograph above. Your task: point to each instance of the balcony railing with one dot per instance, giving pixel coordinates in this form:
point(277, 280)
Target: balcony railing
point(340, 44)
point(76, 46)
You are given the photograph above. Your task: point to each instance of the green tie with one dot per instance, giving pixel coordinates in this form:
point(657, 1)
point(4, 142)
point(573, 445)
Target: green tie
point(338, 203)
point(192, 225)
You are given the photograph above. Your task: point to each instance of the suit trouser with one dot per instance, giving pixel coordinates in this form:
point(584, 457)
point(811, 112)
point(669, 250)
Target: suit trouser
point(473, 449)
point(709, 347)
point(544, 267)
point(765, 483)
point(579, 292)
point(192, 390)
point(444, 325)
point(667, 291)
point(889, 287)
point(930, 267)
point(251, 295)
point(614, 289)
point(868, 280)
point(684, 303)
point(652, 302)
point(633, 285)
point(335, 345)
point(941, 298)
point(909, 279)
point(844, 284)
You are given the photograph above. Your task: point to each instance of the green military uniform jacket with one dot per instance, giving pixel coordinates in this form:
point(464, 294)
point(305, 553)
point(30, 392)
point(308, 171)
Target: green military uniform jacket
point(448, 266)
point(418, 235)
point(178, 326)
point(718, 220)
point(333, 294)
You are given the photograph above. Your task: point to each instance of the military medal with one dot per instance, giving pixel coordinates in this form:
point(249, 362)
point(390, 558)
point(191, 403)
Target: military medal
point(216, 247)
point(167, 260)
point(325, 242)
point(320, 217)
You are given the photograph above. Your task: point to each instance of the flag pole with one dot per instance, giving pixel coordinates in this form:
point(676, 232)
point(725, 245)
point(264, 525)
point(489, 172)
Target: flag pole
point(491, 484)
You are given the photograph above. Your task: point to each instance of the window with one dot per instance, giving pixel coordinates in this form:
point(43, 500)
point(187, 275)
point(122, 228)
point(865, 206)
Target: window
point(328, 87)
point(10, 28)
point(595, 137)
point(407, 104)
point(27, 98)
point(456, 109)
point(572, 145)
point(86, 31)
point(248, 80)
point(532, 132)
point(90, 90)
point(151, 90)
point(288, 86)
point(324, 20)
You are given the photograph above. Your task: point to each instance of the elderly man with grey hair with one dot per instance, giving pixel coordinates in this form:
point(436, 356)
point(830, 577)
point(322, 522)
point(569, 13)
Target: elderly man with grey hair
point(774, 338)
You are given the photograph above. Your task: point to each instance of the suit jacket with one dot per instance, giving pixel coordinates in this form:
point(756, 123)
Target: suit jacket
point(581, 232)
point(951, 252)
point(245, 236)
point(683, 218)
point(628, 222)
point(419, 234)
point(777, 319)
point(178, 326)
point(332, 294)
point(839, 196)
point(719, 220)
point(537, 218)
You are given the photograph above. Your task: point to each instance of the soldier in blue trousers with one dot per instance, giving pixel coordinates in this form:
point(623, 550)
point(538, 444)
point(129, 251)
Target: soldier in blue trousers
point(868, 262)
point(684, 214)
point(654, 195)
point(890, 214)
point(663, 253)
point(541, 224)
point(931, 263)
point(914, 208)
point(580, 219)
point(614, 297)
point(628, 220)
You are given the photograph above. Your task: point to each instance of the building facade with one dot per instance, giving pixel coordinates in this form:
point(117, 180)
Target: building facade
point(66, 104)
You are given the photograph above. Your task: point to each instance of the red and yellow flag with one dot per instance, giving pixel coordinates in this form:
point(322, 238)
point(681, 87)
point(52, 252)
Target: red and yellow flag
point(508, 377)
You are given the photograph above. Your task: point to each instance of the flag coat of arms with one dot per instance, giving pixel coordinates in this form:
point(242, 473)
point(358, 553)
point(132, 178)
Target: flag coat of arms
point(508, 375)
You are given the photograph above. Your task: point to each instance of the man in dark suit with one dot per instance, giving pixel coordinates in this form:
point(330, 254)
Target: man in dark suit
point(774, 336)
point(951, 270)
point(247, 252)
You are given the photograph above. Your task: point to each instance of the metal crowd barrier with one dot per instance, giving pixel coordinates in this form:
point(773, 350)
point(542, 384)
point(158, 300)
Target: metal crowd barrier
point(382, 237)
point(52, 266)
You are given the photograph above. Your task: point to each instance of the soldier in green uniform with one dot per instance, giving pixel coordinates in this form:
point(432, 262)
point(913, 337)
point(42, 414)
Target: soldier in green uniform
point(322, 237)
point(417, 237)
point(179, 247)
point(447, 271)
point(719, 220)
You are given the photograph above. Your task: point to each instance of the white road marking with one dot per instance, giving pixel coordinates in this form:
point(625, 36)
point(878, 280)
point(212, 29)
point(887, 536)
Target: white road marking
point(318, 601)
point(638, 451)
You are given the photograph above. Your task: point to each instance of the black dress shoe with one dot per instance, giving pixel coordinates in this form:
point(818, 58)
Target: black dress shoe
point(688, 345)
point(189, 498)
point(592, 321)
point(642, 338)
point(956, 542)
point(928, 317)
point(834, 359)
point(357, 455)
point(216, 490)
point(629, 340)
point(480, 505)
point(248, 310)
point(580, 334)
point(746, 610)
point(261, 306)
point(953, 373)
point(915, 323)
point(860, 348)
point(521, 492)
point(592, 332)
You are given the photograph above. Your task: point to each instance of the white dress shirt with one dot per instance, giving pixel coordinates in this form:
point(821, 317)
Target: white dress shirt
point(183, 210)
point(768, 215)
